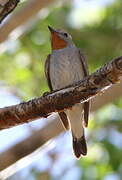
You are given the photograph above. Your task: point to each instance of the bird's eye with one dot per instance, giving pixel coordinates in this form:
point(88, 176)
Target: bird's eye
point(65, 34)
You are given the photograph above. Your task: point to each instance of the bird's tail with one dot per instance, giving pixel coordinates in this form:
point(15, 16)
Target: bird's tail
point(76, 118)
point(79, 146)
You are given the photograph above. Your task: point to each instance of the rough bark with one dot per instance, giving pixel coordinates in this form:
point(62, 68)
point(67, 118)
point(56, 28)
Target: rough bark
point(6, 7)
point(31, 8)
point(62, 99)
point(111, 94)
point(13, 154)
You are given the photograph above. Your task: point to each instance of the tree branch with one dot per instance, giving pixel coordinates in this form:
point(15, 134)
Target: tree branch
point(62, 99)
point(54, 128)
point(6, 7)
point(30, 144)
point(31, 8)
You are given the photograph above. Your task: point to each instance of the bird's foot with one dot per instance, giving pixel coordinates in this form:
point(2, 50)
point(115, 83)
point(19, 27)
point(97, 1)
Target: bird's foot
point(46, 93)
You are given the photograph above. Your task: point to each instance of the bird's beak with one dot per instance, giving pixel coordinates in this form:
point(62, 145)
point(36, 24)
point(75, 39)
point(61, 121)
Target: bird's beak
point(51, 29)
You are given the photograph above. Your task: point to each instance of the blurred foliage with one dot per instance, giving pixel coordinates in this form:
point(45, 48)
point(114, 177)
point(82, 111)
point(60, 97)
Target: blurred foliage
point(22, 66)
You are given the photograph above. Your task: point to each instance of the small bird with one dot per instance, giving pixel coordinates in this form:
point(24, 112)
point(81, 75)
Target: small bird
point(65, 66)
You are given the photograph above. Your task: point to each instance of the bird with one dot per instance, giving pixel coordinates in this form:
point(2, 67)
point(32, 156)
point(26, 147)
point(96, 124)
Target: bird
point(65, 65)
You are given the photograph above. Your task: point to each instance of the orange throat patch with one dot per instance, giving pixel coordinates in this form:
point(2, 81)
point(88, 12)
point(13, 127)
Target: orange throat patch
point(57, 42)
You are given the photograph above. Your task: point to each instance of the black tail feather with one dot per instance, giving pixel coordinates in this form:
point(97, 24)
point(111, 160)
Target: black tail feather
point(79, 146)
point(86, 113)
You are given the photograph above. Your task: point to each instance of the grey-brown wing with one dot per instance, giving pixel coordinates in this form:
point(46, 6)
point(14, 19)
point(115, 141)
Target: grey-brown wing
point(62, 114)
point(47, 70)
point(86, 73)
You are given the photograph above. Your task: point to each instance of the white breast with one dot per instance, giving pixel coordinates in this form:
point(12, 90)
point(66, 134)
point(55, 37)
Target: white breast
point(65, 67)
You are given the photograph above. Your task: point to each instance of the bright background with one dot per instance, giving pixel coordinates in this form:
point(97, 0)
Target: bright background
point(96, 28)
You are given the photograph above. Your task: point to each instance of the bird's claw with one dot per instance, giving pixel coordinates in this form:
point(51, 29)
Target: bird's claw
point(46, 93)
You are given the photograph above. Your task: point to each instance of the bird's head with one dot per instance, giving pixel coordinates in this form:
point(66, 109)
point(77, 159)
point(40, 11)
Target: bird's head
point(59, 38)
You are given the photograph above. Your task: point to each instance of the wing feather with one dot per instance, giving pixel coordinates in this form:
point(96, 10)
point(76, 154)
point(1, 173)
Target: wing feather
point(47, 71)
point(62, 114)
point(86, 73)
